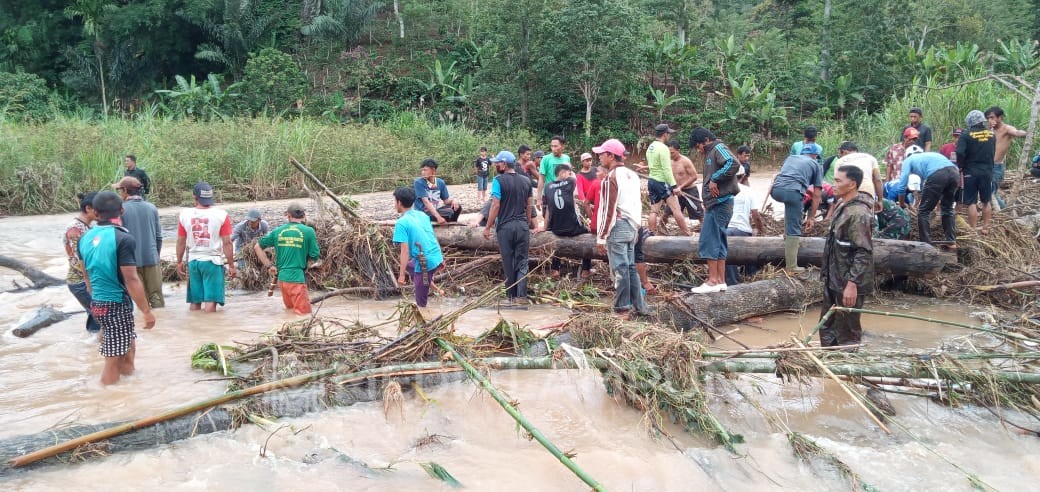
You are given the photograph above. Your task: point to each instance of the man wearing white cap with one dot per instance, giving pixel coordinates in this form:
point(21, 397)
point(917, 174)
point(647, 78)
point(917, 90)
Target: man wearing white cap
point(620, 214)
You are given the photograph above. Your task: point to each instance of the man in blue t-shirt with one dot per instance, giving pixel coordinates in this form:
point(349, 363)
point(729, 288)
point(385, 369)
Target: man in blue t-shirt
point(431, 195)
point(108, 257)
point(420, 252)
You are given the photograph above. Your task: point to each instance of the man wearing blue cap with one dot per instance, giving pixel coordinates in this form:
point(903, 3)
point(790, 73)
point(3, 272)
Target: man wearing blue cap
point(797, 175)
point(510, 214)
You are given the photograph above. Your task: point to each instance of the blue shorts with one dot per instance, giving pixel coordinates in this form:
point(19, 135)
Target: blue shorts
point(482, 182)
point(205, 282)
point(657, 190)
point(712, 244)
point(977, 188)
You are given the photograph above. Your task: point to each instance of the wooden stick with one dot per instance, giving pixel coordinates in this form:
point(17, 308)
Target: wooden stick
point(1007, 286)
point(342, 206)
point(274, 283)
point(845, 387)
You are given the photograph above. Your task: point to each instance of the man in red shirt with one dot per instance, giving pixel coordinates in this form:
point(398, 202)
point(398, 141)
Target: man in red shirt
point(949, 149)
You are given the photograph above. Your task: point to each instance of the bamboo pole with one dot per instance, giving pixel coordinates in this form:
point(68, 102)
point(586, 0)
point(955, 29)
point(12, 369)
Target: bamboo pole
point(342, 206)
point(845, 387)
point(513, 412)
point(148, 421)
point(933, 320)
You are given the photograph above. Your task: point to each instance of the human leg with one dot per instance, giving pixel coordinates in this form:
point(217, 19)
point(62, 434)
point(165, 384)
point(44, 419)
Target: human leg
point(151, 277)
point(620, 240)
point(847, 325)
point(946, 203)
point(422, 282)
point(986, 198)
point(196, 288)
point(506, 251)
point(930, 195)
point(732, 271)
point(972, 189)
point(523, 247)
point(117, 341)
point(298, 295)
point(126, 364)
point(212, 284)
point(673, 205)
point(828, 334)
point(998, 177)
point(792, 201)
point(79, 291)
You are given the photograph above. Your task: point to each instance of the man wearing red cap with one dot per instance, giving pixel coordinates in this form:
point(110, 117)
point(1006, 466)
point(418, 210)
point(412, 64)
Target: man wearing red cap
point(620, 214)
point(894, 157)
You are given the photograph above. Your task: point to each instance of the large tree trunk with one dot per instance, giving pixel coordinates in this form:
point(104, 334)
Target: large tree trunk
point(895, 257)
point(37, 276)
point(743, 301)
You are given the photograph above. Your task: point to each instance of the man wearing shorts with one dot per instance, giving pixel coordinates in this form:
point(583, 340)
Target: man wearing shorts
point(204, 233)
point(975, 150)
point(141, 219)
point(294, 243)
point(1004, 133)
point(662, 186)
point(720, 186)
point(686, 177)
point(107, 251)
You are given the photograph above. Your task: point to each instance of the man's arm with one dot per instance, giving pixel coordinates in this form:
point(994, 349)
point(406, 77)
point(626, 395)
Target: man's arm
point(690, 173)
point(611, 208)
point(904, 178)
point(859, 235)
point(817, 195)
point(757, 226)
point(879, 190)
point(181, 243)
point(493, 214)
point(1015, 132)
point(229, 254)
point(158, 232)
point(146, 182)
point(402, 276)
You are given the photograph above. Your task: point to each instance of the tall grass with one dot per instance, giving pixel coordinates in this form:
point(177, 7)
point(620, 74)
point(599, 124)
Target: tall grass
point(43, 166)
point(944, 110)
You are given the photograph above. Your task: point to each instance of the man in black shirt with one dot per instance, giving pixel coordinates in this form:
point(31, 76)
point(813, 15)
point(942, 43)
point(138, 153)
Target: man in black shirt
point(510, 214)
point(560, 215)
point(482, 168)
point(924, 132)
point(975, 149)
point(132, 170)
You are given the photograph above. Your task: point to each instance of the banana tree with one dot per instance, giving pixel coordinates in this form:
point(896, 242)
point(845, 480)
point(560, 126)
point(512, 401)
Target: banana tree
point(660, 101)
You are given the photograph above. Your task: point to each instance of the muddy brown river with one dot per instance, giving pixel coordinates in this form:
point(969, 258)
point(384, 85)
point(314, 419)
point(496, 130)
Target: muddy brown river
point(52, 378)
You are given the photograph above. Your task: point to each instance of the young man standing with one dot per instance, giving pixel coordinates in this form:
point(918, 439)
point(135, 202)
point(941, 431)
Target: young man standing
point(130, 161)
point(720, 186)
point(686, 178)
point(662, 186)
point(561, 216)
point(587, 185)
point(1005, 133)
point(975, 151)
point(810, 133)
point(482, 168)
point(511, 216)
point(746, 220)
point(246, 231)
point(431, 195)
point(798, 174)
point(547, 167)
point(141, 219)
point(294, 243)
point(204, 234)
point(620, 213)
point(420, 251)
point(111, 276)
point(924, 132)
point(941, 180)
point(76, 277)
point(848, 260)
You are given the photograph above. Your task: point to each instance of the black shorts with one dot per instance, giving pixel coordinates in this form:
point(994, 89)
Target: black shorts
point(641, 236)
point(117, 326)
point(978, 187)
point(657, 190)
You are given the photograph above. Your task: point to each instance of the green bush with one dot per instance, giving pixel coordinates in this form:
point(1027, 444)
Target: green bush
point(23, 97)
point(272, 83)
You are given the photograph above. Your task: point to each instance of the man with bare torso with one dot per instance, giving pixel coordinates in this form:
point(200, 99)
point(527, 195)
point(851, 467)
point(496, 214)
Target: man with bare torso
point(1004, 134)
point(686, 178)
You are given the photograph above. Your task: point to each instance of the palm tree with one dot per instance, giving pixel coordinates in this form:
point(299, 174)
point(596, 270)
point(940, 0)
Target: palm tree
point(92, 12)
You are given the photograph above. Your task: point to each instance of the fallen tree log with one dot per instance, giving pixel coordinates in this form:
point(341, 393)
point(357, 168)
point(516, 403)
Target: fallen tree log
point(891, 256)
point(744, 301)
point(38, 277)
point(44, 317)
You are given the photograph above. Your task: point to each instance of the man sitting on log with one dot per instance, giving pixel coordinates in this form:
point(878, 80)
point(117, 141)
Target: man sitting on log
point(431, 195)
point(561, 217)
point(848, 259)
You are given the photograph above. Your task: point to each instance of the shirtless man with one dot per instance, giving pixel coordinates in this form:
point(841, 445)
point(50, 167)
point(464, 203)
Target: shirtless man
point(686, 177)
point(1004, 133)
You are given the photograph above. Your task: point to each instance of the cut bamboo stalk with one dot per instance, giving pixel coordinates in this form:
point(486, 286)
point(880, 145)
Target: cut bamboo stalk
point(933, 320)
point(513, 412)
point(845, 387)
point(342, 206)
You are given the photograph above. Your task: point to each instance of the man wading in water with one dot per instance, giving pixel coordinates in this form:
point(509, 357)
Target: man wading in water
point(108, 257)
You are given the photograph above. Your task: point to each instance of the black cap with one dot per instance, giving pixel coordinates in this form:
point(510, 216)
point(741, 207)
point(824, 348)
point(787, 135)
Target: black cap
point(663, 128)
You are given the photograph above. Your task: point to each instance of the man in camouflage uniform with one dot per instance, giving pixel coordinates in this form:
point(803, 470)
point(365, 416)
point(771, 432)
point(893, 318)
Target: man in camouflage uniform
point(848, 259)
point(893, 221)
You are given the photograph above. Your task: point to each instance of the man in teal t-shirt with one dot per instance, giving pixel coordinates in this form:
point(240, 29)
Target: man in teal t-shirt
point(420, 251)
point(547, 169)
point(294, 243)
point(662, 186)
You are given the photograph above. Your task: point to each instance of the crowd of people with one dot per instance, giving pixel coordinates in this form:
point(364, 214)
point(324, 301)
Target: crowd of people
point(114, 244)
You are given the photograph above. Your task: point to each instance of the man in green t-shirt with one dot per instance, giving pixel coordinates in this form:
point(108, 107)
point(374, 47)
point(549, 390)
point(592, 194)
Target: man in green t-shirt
point(294, 243)
point(547, 168)
point(662, 186)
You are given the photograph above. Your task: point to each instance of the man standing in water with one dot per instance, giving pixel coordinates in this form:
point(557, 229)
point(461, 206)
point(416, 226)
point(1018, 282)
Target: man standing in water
point(246, 231)
point(510, 215)
point(203, 249)
point(620, 213)
point(420, 251)
point(75, 279)
point(294, 243)
point(111, 276)
point(130, 161)
point(848, 259)
point(720, 186)
point(1005, 133)
point(662, 186)
point(141, 219)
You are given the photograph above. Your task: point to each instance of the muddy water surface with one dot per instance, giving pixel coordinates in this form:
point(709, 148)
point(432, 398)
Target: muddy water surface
point(52, 377)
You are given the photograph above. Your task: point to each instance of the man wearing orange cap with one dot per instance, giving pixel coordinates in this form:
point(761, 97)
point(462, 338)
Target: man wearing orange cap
point(896, 153)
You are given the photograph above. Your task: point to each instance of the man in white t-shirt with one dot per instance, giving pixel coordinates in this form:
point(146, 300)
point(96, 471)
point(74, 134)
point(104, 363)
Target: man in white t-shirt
point(849, 155)
point(204, 233)
point(746, 221)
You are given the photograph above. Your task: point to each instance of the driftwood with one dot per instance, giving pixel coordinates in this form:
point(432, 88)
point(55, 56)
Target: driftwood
point(35, 275)
point(745, 301)
point(891, 256)
point(44, 317)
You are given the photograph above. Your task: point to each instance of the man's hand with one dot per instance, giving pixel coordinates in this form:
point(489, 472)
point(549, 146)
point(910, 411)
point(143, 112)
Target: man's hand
point(487, 233)
point(878, 206)
point(402, 279)
point(273, 270)
point(848, 297)
point(676, 191)
point(232, 271)
point(440, 219)
point(809, 222)
point(181, 269)
point(713, 187)
point(149, 320)
point(601, 248)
